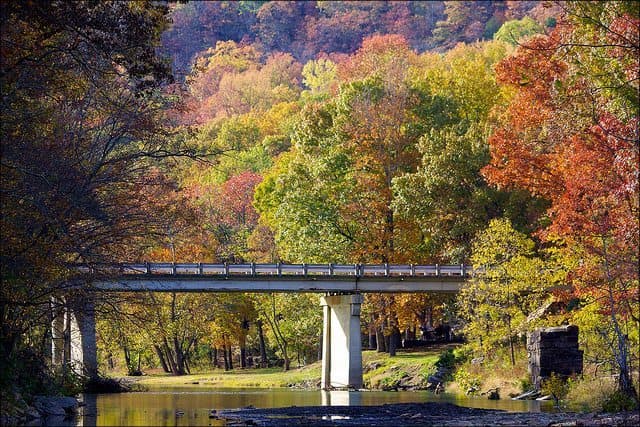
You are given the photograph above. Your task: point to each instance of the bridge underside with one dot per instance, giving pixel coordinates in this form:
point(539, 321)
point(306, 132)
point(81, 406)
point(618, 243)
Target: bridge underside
point(342, 359)
point(173, 283)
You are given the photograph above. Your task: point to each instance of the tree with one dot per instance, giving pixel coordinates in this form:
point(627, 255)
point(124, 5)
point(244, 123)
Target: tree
point(278, 23)
point(468, 21)
point(196, 26)
point(319, 74)
point(514, 30)
point(510, 284)
point(81, 121)
point(570, 135)
point(447, 196)
point(230, 80)
point(293, 320)
point(329, 199)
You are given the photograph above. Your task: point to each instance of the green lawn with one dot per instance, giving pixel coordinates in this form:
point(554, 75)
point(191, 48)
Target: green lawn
point(377, 367)
point(237, 378)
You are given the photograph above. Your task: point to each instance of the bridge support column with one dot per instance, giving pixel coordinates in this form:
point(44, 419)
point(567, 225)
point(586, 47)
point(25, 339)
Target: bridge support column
point(58, 340)
point(73, 331)
point(341, 343)
point(84, 354)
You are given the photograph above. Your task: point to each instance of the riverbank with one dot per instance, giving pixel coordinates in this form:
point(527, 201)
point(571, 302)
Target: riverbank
point(417, 414)
point(408, 370)
point(303, 377)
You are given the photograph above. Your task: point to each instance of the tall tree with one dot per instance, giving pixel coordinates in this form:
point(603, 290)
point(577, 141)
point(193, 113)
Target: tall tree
point(447, 196)
point(571, 135)
point(81, 115)
point(510, 285)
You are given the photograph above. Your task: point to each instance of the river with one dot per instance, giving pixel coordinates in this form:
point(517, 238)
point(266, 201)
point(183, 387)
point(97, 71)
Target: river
point(180, 407)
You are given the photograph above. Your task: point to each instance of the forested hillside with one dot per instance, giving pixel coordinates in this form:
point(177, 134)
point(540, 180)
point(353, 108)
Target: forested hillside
point(307, 29)
point(502, 134)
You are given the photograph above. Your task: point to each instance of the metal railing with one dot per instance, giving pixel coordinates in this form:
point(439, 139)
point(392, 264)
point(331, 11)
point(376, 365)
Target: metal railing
point(278, 269)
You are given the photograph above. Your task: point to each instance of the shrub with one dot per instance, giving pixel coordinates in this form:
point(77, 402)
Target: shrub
point(446, 360)
point(557, 386)
point(69, 382)
point(589, 394)
point(526, 384)
point(467, 381)
point(393, 381)
point(102, 384)
point(618, 402)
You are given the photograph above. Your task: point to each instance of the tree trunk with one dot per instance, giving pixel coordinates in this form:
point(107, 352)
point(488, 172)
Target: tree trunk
point(372, 338)
point(393, 340)
point(214, 358)
point(621, 353)
point(287, 362)
point(127, 358)
point(163, 362)
point(225, 358)
point(230, 357)
point(380, 340)
point(243, 357)
point(263, 348)
point(177, 348)
point(513, 355)
point(243, 351)
point(186, 366)
point(170, 358)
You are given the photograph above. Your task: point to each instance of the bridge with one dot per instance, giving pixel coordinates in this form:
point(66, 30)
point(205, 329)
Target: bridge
point(341, 284)
point(343, 278)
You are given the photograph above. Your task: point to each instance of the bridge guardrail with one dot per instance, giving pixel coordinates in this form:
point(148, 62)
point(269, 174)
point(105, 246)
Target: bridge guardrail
point(278, 269)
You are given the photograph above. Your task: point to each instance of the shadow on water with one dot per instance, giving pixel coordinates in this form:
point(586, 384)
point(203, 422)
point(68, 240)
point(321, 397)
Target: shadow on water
point(199, 407)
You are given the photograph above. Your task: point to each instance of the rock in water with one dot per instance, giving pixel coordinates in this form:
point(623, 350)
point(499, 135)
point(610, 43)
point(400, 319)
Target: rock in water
point(53, 405)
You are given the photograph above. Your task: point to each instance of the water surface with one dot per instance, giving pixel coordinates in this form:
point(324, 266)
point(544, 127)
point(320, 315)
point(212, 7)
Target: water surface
point(180, 407)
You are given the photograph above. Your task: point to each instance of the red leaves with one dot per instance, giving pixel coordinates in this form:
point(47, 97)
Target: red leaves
point(600, 173)
point(570, 136)
point(235, 202)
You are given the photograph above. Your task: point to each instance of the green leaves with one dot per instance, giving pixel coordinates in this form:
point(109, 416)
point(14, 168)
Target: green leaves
point(509, 287)
point(513, 31)
point(499, 245)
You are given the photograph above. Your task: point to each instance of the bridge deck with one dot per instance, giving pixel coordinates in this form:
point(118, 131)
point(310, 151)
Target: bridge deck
point(181, 277)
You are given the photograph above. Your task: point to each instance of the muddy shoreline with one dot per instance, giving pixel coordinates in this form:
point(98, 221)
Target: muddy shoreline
point(415, 414)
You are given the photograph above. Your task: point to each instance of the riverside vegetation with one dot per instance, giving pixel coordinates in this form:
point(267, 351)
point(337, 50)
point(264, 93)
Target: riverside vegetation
point(502, 135)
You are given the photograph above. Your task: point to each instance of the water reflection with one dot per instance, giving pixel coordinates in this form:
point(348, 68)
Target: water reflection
point(341, 398)
point(185, 408)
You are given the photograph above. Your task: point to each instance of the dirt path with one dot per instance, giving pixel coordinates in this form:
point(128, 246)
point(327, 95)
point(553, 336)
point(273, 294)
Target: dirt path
point(409, 414)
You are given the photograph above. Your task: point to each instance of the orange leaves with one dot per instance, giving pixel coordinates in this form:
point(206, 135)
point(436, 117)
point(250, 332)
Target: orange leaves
point(514, 163)
point(378, 56)
point(534, 66)
point(587, 172)
point(570, 134)
point(600, 175)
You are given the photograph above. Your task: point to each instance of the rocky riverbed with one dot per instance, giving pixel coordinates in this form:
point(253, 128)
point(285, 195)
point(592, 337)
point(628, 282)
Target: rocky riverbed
point(420, 414)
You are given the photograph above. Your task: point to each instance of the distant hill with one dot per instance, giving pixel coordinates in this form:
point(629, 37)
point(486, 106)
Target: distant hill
point(307, 29)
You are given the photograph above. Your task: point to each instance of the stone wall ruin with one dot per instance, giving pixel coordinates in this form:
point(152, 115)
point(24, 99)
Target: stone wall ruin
point(553, 350)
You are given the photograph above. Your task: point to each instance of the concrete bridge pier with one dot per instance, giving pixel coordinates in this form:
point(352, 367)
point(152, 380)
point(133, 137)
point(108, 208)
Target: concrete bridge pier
point(58, 339)
point(341, 342)
point(73, 332)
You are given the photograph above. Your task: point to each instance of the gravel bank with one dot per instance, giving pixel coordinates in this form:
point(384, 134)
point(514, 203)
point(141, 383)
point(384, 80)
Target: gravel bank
point(422, 414)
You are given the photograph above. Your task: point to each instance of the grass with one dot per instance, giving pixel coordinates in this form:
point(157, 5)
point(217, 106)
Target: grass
point(496, 372)
point(238, 378)
point(382, 371)
point(379, 370)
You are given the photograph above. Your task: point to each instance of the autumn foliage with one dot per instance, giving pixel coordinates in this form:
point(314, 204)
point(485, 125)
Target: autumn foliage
point(570, 135)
